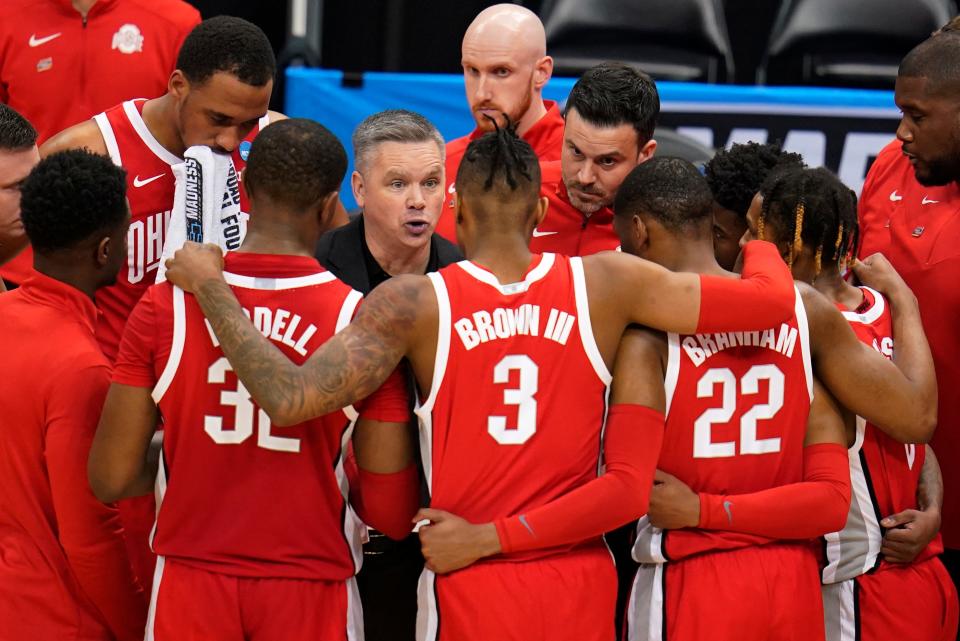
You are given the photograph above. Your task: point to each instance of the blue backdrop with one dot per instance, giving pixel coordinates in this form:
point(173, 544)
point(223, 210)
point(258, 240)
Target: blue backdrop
point(841, 128)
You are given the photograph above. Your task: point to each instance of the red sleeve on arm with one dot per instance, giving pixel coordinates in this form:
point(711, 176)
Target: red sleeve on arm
point(813, 507)
point(386, 502)
point(391, 402)
point(135, 359)
point(89, 531)
point(631, 448)
point(763, 297)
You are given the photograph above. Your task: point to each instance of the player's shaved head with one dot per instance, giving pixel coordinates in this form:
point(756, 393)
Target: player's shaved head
point(936, 59)
point(670, 191)
point(509, 28)
point(505, 66)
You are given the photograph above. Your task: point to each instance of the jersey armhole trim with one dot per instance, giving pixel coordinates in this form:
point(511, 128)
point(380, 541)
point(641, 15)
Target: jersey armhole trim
point(871, 315)
point(139, 126)
point(802, 325)
point(347, 312)
point(109, 138)
point(673, 370)
point(176, 347)
point(443, 341)
point(587, 337)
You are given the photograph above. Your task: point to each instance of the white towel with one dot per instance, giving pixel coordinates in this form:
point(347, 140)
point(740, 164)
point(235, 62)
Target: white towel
point(206, 204)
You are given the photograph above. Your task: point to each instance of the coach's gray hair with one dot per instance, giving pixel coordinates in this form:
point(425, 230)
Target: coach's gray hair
point(392, 125)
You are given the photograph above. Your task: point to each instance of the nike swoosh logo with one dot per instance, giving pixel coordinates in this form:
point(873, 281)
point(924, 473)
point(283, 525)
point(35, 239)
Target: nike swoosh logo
point(894, 196)
point(452, 189)
point(36, 42)
point(925, 201)
point(726, 506)
point(537, 233)
point(523, 521)
point(140, 183)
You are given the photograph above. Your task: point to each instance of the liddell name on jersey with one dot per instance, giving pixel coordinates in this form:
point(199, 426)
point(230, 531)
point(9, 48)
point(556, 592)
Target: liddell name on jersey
point(700, 347)
point(483, 326)
point(278, 325)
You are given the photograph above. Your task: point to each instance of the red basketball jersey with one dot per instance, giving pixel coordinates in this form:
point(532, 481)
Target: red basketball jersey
point(884, 473)
point(238, 495)
point(150, 189)
point(516, 412)
point(737, 409)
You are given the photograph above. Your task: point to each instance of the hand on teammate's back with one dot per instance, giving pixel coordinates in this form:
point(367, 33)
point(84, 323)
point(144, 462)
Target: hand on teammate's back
point(193, 264)
point(449, 542)
point(673, 504)
point(908, 534)
point(876, 271)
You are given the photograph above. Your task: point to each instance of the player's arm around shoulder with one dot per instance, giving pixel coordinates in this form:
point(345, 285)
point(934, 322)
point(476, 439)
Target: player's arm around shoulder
point(862, 379)
point(348, 367)
point(84, 135)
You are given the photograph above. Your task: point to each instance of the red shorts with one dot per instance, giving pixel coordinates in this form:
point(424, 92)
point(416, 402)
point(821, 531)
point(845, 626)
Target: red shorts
point(766, 593)
point(916, 602)
point(195, 605)
point(568, 597)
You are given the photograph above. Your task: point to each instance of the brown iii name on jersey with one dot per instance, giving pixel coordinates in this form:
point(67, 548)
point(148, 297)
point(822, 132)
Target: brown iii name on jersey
point(700, 347)
point(145, 244)
point(278, 325)
point(483, 326)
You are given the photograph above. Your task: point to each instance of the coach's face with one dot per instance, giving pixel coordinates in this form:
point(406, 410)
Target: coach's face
point(220, 111)
point(399, 185)
point(929, 129)
point(595, 160)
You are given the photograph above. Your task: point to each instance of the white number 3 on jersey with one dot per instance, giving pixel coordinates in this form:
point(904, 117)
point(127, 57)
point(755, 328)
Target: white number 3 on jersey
point(521, 396)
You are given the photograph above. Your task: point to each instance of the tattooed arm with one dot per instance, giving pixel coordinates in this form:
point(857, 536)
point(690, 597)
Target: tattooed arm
point(348, 367)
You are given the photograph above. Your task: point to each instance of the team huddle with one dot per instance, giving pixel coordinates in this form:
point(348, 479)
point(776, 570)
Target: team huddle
point(697, 360)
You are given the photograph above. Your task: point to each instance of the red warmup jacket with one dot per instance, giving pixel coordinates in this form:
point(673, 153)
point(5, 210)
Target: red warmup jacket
point(64, 571)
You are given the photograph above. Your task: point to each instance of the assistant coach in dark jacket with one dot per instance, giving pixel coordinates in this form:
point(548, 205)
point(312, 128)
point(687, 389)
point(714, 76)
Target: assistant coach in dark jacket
point(399, 184)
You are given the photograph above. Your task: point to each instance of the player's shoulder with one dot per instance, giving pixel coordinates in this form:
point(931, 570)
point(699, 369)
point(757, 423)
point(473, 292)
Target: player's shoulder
point(176, 13)
point(83, 135)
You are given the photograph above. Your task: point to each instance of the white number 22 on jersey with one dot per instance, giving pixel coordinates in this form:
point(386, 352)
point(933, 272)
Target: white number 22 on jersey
point(703, 444)
point(239, 399)
point(521, 396)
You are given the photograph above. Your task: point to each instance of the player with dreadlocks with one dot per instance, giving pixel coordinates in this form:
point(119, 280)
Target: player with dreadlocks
point(512, 353)
point(890, 541)
point(734, 176)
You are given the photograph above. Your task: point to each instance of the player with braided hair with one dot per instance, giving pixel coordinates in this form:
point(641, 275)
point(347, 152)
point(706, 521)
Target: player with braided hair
point(512, 353)
point(891, 536)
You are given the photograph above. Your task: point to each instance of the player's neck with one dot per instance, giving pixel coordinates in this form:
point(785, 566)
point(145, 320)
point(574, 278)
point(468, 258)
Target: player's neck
point(508, 257)
point(70, 275)
point(264, 238)
point(83, 6)
point(830, 284)
point(693, 257)
point(536, 111)
point(160, 118)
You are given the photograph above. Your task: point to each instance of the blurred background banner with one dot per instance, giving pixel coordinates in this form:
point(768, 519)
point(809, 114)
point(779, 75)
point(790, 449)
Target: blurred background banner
point(840, 128)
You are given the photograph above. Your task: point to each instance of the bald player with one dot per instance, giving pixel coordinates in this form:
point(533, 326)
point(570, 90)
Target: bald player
point(505, 67)
point(512, 353)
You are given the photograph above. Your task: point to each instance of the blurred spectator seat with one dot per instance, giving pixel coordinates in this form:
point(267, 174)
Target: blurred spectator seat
point(672, 144)
point(669, 39)
point(854, 43)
